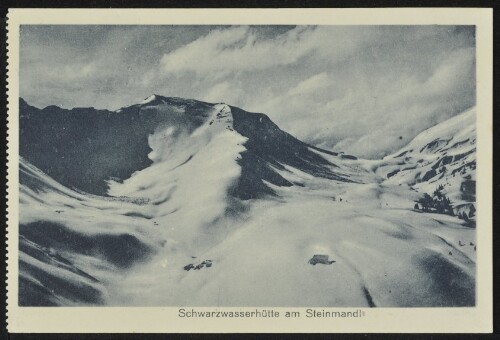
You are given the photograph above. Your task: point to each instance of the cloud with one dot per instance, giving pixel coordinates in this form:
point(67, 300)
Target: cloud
point(365, 115)
point(74, 72)
point(237, 49)
point(454, 71)
point(224, 92)
point(349, 88)
point(101, 66)
point(310, 85)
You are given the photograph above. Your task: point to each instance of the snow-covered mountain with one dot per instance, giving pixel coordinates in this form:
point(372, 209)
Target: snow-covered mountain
point(71, 244)
point(83, 147)
point(180, 202)
point(444, 155)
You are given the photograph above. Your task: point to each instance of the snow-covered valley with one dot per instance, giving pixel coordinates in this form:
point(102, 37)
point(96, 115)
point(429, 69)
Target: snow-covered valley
point(209, 205)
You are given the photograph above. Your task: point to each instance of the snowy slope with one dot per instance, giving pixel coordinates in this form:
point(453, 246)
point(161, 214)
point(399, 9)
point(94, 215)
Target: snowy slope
point(84, 148)
point(385, 255)
point(442, 155)
point(72, 244)
point(227, 210)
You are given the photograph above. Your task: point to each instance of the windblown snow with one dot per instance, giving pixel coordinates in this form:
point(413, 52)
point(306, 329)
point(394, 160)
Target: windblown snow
point(228, 210)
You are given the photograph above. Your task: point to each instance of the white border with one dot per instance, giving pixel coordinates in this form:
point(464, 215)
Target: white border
point(138, 319)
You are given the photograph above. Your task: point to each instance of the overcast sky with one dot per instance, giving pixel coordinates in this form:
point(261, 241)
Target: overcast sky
point(349, 88)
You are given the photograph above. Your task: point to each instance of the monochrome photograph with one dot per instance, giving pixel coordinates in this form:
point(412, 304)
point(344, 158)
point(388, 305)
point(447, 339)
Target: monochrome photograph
point(217, 170)
point(259, 165)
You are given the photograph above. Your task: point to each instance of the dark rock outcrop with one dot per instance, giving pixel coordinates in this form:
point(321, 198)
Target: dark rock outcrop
point(323, 259)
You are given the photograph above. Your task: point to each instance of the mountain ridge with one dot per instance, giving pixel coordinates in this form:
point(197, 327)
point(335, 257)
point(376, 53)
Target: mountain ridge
point(441, 156)
point(108, 141)
point(202, 183)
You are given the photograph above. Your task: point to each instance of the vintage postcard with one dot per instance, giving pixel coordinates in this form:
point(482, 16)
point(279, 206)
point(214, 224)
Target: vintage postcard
point(250, 170)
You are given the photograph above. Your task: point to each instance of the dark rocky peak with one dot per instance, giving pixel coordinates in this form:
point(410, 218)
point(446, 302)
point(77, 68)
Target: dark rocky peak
point(83, 148)
point(268, 148)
